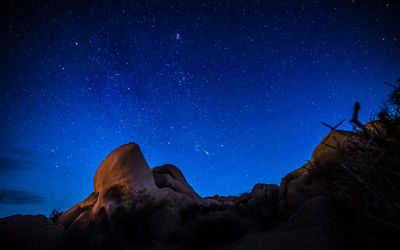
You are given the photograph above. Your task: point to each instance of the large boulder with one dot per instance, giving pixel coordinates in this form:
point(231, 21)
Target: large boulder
point(128, 193)
point(300, 185)
point(169, 176)
point(80, 213)
point(124, 166)
point(264, 194)
point(297, 187)
point(123, 173)
point(264, 199)
point(333, 147)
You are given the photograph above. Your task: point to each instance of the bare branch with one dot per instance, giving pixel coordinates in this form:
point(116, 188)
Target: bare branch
point(333, 127)
point(391, 85)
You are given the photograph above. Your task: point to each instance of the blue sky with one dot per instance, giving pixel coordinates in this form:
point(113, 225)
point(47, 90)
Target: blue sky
point(233, 93)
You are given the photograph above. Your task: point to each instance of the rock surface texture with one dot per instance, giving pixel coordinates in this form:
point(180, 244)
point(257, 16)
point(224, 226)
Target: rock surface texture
point(135, 207)
point(123, 173)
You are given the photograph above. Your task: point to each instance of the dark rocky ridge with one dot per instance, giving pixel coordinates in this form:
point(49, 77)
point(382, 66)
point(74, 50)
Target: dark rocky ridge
point(347, 192)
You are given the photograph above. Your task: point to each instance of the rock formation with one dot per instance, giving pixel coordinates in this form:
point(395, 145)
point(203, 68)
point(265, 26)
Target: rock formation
point(122, 173)
point(133, 206)
point(124, 185)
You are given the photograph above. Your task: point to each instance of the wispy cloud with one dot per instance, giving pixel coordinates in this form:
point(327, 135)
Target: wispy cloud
point(13, 158)
point(10, 163)
point(9, 149)
point(16, 159)
point(8, 196)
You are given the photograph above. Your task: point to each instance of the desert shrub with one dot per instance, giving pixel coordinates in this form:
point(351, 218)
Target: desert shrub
point(393, 101)
point(55, 214)
point(365, 185)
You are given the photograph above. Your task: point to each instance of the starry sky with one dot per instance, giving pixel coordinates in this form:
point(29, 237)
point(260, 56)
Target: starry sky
point(231, 92)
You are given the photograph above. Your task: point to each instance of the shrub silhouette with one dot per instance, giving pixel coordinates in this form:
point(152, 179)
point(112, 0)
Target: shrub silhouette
point(394, 99)
point(364, 186)
point(55, 213)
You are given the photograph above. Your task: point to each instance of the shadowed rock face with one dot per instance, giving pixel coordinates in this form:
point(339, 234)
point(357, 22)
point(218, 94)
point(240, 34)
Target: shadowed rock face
point(169, 176)
point(332, 148)
point(300, 186)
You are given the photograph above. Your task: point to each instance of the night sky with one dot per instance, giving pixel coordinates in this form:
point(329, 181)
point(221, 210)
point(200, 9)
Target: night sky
point(231, 92)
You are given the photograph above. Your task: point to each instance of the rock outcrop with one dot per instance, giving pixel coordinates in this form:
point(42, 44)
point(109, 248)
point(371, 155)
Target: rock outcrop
point(169, 176)
point(124, 172)
point(134, 206)
point(124, 185)
point(301, 185)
